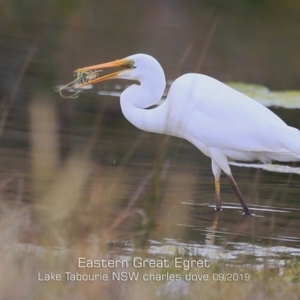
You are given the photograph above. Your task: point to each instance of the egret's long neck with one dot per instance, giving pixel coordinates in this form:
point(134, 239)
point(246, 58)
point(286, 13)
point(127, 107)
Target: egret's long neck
point(135, 100)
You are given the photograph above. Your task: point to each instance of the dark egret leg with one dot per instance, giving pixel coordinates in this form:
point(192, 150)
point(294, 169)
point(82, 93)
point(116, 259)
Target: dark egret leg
point(238, 194)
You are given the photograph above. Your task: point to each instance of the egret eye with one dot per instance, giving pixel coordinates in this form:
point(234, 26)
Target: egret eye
point(129, 64)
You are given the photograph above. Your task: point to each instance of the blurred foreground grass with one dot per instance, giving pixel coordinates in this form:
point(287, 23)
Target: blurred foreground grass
point(73, 213)
point(25, 271)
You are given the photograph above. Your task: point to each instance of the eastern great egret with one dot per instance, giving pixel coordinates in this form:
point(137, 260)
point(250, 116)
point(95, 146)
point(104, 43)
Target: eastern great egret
point(221, 122)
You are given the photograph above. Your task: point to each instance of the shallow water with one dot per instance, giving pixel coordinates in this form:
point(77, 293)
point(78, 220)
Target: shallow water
point(187, 222)
point(183, 218)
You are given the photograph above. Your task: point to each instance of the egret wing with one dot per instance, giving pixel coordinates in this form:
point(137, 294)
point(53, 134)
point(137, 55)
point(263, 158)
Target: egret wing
point(224, 118)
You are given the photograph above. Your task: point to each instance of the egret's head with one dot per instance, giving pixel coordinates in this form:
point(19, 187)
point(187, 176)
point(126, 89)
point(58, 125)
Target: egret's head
point(134, 67)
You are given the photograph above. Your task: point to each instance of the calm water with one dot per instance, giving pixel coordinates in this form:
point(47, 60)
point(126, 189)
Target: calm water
point(166, 180)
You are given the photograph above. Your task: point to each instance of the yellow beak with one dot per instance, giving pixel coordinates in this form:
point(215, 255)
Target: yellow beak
point(112, 64)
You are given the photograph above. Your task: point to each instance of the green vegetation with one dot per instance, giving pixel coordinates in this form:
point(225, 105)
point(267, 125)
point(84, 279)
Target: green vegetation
point(286, 99)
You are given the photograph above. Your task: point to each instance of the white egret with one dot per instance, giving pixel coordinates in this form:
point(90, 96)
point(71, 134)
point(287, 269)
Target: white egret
point(221, 122)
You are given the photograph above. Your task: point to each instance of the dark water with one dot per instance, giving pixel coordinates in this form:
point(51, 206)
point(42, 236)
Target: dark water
point(248, 41)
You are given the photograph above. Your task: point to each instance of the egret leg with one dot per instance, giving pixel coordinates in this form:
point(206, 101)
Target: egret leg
point(217, 172)
point(239, 194)
point(218, 194)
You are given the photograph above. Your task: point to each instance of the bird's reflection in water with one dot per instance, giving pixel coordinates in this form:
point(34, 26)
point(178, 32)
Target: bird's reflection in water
point(211, 230)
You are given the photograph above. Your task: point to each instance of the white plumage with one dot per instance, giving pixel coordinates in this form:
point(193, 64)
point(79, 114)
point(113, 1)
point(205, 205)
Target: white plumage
point(221, 122)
